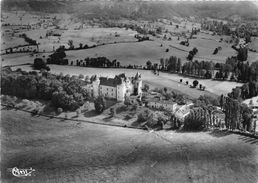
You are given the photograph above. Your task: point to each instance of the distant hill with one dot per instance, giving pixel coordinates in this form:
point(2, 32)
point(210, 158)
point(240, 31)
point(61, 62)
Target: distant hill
point(137, 9)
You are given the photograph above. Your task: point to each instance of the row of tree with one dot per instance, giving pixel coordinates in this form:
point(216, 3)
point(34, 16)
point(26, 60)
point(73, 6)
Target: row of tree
point(248, 90)
point(237, 114)
point(28, 40)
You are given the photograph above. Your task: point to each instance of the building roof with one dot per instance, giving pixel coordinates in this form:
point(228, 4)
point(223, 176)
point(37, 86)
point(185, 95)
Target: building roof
point(254, 102)
point(113, 82)
point(117, 80)
point(161, 101)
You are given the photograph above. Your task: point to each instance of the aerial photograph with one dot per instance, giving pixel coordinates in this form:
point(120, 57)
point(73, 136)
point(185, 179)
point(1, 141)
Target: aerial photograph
point(129, 91)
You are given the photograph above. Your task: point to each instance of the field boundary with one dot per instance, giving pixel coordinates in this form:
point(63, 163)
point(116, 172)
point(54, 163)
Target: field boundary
point(77, 120)
point(123, 126)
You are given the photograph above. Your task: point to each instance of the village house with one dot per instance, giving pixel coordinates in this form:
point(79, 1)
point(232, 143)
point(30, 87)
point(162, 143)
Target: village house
point(156, 103)
point(252, 103)
point(183, 111)
point(115, 88)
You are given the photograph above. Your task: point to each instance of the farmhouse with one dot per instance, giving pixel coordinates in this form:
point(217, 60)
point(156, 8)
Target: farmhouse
point(252, 103)
point(162, 104)
point(183, 111)
point(115, 88)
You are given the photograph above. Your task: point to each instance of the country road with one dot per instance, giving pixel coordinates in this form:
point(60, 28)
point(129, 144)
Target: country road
point(68, 151)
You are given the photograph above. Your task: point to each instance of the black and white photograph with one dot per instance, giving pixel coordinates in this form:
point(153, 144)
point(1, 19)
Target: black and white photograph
point(129, 91)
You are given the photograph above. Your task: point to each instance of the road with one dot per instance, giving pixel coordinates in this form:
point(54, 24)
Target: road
point(68, 151)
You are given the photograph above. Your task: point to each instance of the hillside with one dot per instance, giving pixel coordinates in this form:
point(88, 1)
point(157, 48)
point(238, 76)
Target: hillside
point(67, 151)
point(137, 9)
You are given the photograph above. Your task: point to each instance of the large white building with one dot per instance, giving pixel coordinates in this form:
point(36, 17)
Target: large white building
point(116, 88)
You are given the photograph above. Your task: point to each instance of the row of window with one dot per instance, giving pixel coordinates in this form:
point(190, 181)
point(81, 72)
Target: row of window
point(107, 89)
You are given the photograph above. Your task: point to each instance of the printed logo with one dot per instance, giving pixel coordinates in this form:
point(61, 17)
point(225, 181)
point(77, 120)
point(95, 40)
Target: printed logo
point(22, 172)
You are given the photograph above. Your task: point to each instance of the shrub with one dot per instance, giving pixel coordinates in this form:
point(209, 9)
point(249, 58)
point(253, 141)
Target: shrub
point(59, 110)
point(195, 120)
point(144, 116)
point(81, 76)
point(146, 88)
point(134, 107)
point(78, 112)
point(113, 111)
point(194, 124)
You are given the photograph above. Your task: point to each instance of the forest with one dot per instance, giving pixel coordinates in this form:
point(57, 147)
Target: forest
point(64, 92)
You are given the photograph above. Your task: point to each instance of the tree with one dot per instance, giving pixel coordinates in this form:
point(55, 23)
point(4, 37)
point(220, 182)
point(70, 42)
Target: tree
point(70, 44)
point(195, 83)
point(146, 87)
point(215, 51)
point(81, 76)
point(149, 64)
point(39, 64)
point(100, 104)
point(144, 116)
point(165, 89)
point(112, 111)
point(127, 101)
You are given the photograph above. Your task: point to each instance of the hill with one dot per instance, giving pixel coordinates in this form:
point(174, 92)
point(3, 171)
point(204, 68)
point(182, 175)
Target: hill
point(137, 9)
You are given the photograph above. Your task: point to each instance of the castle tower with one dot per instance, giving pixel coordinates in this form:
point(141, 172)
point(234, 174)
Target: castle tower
point(95, 85)
point(121, 90)
point(138, 84)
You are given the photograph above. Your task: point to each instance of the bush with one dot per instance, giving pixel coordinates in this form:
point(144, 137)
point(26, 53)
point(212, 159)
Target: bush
point(59, 110)
point(146, 88)
point(194, 124)
point(195, 120)
point(144, 116)
point(78, 112)
point(113, 111)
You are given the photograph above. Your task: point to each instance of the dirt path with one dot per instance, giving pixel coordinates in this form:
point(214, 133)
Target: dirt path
point(65, 151)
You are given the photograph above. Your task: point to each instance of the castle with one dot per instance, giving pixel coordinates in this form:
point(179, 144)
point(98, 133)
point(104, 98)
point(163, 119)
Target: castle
point(116, 88)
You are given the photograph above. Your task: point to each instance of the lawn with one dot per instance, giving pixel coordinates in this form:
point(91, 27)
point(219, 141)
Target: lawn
point(68, 151)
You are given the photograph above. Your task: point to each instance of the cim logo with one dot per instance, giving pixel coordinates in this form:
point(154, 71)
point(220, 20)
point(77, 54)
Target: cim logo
point(22, 172)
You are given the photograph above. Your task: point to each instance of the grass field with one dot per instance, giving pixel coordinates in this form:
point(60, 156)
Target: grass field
point(67, 151)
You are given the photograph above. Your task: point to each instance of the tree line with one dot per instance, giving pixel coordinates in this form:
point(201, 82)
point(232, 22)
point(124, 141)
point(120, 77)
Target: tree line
point(237, 114)
point(28, 40)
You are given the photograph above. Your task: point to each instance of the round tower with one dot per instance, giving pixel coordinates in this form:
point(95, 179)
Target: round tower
point(95, 86)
